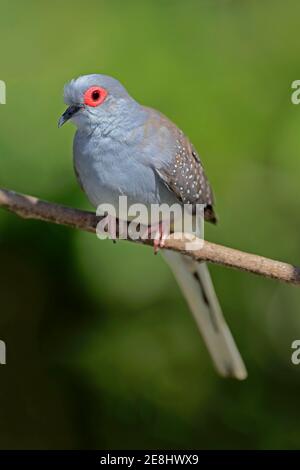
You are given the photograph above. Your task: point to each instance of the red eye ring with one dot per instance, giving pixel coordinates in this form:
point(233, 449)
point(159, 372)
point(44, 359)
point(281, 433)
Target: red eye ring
point(94, 96)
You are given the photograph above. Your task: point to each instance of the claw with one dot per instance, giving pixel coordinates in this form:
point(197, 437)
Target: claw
point(157, 244)
point(160, 234)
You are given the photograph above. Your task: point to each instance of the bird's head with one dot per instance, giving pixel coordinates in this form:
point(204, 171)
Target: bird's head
point(94, 100)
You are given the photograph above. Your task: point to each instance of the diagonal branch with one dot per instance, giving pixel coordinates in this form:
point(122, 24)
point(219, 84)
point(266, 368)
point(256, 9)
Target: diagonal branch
point(30, 207)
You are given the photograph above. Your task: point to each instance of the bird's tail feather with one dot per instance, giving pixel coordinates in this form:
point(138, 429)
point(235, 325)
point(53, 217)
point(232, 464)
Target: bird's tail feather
point(196, 284)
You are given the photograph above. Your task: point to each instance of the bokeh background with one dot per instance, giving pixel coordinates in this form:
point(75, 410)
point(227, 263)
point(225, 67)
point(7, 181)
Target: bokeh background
point(101, 349)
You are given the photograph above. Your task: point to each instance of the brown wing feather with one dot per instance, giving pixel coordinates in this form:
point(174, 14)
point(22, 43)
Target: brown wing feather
point(187, 178)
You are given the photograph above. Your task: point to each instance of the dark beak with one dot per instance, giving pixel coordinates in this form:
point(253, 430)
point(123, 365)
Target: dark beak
point(69, 112)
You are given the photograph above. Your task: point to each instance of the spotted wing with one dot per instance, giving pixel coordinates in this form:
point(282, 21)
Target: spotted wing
point(185, 176)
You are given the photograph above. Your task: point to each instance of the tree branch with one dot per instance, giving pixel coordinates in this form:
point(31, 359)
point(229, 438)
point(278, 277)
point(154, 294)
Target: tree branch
point(30, 207)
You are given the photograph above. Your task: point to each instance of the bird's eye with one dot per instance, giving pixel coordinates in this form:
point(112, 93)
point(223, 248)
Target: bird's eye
point(94, 96)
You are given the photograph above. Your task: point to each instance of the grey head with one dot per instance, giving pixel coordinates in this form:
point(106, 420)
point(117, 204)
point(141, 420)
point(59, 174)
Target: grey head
point(96, 101)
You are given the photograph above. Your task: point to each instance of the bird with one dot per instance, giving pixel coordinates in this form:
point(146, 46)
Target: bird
point(122, 148)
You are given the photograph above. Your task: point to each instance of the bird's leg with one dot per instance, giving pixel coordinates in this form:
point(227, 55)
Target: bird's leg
point(158, 233)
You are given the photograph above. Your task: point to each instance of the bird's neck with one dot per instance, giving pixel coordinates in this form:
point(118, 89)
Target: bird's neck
point(122, 118)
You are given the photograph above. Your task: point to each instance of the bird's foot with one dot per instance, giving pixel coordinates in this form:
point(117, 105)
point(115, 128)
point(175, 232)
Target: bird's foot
point(158, 233)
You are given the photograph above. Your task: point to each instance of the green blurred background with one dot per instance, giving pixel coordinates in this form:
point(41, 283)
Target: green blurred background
point(101, 350)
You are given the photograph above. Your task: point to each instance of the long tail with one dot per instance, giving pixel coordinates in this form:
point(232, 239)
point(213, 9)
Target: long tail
point(196, 284)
